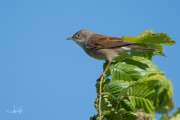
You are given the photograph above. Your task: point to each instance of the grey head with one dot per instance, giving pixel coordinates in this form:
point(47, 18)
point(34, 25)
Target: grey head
point(81, 37)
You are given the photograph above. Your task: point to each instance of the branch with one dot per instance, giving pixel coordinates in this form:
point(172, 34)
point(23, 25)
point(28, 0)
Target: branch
point(100, 92)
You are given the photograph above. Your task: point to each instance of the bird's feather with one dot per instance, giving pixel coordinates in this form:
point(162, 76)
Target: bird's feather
point(98, 41)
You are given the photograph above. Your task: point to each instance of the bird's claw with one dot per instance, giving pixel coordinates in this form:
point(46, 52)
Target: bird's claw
point(101, 77)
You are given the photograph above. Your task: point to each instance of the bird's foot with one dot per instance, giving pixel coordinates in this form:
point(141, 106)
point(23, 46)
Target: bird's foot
point(101, 77)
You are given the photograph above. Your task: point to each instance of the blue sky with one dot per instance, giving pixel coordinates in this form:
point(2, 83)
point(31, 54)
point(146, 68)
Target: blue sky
point(53, 78)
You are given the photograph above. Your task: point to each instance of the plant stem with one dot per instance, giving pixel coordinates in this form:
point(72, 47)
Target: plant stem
point(100, 92)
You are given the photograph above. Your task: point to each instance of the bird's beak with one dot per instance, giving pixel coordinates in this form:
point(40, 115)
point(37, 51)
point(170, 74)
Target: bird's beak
point(70, 38)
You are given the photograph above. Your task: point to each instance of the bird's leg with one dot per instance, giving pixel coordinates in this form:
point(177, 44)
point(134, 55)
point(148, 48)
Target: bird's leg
point(104, 71)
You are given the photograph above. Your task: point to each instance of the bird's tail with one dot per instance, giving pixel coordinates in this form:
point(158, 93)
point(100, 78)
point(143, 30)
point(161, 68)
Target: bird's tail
point(137, 48)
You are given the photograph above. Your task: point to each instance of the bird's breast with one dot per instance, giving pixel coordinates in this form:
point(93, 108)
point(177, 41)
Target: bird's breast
point(106, 54)
point(97, 54)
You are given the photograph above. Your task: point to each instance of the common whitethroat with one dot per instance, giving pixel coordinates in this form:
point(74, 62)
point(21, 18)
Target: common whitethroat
point(103, 47)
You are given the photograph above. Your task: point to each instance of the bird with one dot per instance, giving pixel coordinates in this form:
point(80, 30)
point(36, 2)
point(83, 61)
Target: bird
point(104, 47)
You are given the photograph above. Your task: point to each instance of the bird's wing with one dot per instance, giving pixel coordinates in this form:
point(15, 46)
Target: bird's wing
point(101, 41)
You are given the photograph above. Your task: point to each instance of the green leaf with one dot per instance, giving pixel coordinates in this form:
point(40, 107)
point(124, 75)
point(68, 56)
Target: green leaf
point(159, 38)
point(108, 104)
point(117, 88)
point(132, 69)
point(176, 113)
point(164, 118)
point(152, 76)
point(150, 116)
point(141, 95)
point(123, 57)
point(150, 40)
point(175, 118)
point(112, 93)
point(127, 114)
point(163, 98)
point(106, 100)
point(127, 105)
point(146, 54)
point(147, 32)
point(104, 82)
point(139, 115)
point(118, 59)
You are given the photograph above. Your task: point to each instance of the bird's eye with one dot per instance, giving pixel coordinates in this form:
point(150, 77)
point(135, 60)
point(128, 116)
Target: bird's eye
point(78, 35)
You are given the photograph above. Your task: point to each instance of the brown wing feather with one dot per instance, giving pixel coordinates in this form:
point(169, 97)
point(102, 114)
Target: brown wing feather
point(101, 41)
